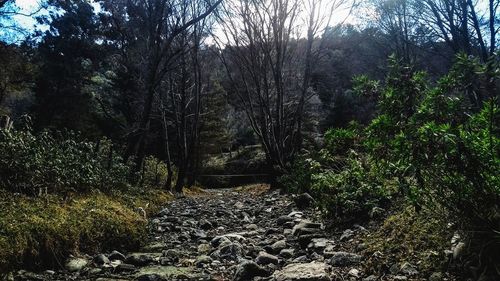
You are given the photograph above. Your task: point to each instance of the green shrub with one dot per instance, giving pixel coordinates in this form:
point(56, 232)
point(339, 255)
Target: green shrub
point(155, 172)
point(339, 141)
point(51, 163)
point(353, 191)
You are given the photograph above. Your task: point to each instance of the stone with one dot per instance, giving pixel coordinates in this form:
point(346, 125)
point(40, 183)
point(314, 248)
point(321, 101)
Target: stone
point(205, 224)
point(287, 253)
point(101, 260)
point(284, 219)
point(346, 235)
point(317, 257)
point(304, 200)
point(303, 272)
point(370, 278)
point(344, 259)
point(76, 264)
point(252, 227)
point(408, 269)
point(203, 260)
point(354, 273)
point(458, 250)
point(125, 267)
point(115, 255)
point(139, 259)
point(247, 270)
point(198, 234)
point(170, 272)
point(318, 244)
point(306, 227)
point(301, 259)
point(264, 259)
point(150, 277)
point(204, 248)
point(296, 214)
point(231, 251)
point(155, 247)
point(277, 246)
point(436, 276)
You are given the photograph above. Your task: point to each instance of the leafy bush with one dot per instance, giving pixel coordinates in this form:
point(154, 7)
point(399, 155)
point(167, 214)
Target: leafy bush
point(353, 191)
point(339, 141)
point(34, 163)
point(439, 142)
point(155, 172)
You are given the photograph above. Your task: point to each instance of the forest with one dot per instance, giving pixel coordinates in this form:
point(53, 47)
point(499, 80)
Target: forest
point(250, 140)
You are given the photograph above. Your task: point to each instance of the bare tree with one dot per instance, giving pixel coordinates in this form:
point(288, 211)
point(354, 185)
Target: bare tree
point(147, 33)
point(270, 68)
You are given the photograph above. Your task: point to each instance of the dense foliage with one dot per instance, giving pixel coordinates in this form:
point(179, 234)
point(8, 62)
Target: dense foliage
point(431, 143)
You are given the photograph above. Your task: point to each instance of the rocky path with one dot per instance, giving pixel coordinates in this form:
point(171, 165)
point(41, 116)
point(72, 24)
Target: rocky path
point(228, 235)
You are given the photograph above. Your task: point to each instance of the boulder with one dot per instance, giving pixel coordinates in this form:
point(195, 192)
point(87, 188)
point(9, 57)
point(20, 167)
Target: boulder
point(304, 200)
point(76, 264)
point(247, 270)
point(264, 259)
point(303, 272)
point(344, 259)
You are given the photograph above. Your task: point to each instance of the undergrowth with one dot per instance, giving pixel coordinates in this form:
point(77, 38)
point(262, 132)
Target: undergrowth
point(41, 232)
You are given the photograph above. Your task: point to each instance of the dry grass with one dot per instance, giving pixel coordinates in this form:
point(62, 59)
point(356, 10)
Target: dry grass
point(39, 232)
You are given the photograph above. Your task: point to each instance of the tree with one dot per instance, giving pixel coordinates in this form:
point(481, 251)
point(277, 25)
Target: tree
point(68, 56)
point(153, 38)
point(270, 69)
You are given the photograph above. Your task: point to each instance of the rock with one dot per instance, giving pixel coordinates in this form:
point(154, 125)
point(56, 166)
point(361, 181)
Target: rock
point(198, 234)
point(347, 234)
point(231, 251)
point(205, 224)
point(204, 248)
point(150, 277)
point(202, 260)
point(408, 269)
point(458, 250)
point(238, 205)
point(344, 259)
point(303, 272)
point(76, 264)
point(252, 227)
point(436, 276)
point(317, 257)
point(217, 240)
point(277, 246)
point(125, 267)
point(304, 200)
point(284, 219)
point(115, 255)
point(139, 259)
point(296, 214)
point(101, 260)
point(301, 259)
point(305, 239)
point(264, 259)
point(247, 270)
point(170, 272)
point(370, 278)
point(318, 244)
point(306, 227)
point(287, 253)
point(155, 247)
point(354, 273)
